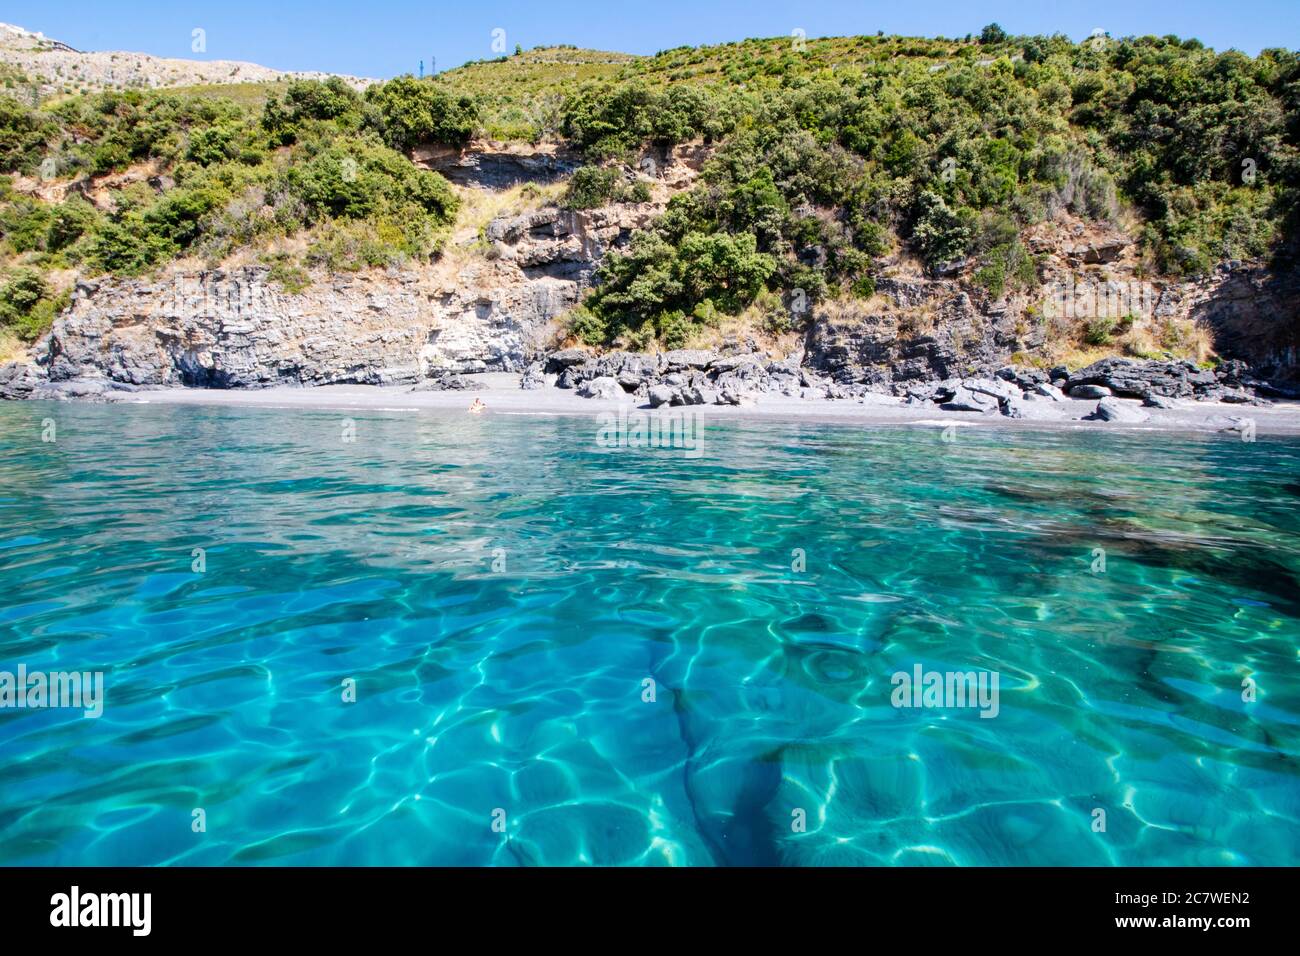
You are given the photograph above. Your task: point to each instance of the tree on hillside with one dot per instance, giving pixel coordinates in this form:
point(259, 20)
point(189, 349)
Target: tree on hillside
point(408, 112)
point(992, 34)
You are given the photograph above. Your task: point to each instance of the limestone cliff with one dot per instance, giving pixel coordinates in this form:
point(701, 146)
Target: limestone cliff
point(237, 329)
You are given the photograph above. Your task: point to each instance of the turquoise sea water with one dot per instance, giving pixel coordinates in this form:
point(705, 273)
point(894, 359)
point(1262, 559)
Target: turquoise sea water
point(502, 590)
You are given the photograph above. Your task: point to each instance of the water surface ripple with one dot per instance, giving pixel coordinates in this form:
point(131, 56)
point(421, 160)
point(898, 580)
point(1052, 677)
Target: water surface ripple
point(502, 589)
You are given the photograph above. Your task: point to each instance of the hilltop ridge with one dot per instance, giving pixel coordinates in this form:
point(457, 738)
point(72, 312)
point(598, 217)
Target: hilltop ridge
point(40, 67)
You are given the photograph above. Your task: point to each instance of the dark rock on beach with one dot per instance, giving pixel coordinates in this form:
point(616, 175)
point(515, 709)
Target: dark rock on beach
point(1135, 379)
point(1114, 410)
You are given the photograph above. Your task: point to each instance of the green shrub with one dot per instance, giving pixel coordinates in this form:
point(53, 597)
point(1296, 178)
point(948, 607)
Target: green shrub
point(212, 144)
point(42, 315)
point(941, 234)
point(588, 327)
point(592, 186)
point(357, 179)
point(289, 277)
point(673, 329)
point(614, 119)
point(706, 313)
point(23, 135)
point(26, 305)
point(21, 293)
point(993, 34)
point(25, 224)
point(992, 277)
point(129, 247)
point(70, 220)
point(1099, 330)
point(308, 101)
point(407, 112)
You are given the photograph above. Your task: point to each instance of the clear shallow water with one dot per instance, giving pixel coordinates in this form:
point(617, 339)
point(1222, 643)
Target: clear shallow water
point(521, 689)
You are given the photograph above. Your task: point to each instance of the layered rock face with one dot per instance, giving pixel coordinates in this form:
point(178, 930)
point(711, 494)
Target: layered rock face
point(926, 329)
point(929, 329)
point(566, 243)
point(237, 329)
point(1255, 316)
point(487, 165)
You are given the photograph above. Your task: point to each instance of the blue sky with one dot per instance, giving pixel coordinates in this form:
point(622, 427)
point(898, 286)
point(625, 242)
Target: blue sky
point(386, 38)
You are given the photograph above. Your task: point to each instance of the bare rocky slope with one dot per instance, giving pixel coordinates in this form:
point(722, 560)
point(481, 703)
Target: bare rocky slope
point(52, 67)
point(236, 329)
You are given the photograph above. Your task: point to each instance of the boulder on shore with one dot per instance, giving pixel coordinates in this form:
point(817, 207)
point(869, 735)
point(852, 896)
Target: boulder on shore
point(1134, 379)
point(603, 387)
point(1112, 410)
point(1090, 391)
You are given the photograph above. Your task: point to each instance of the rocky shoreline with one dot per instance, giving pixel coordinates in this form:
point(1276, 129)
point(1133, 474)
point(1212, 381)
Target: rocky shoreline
point(927, 342)
point(502, 395)
point(1166, 396)
point(737, 377)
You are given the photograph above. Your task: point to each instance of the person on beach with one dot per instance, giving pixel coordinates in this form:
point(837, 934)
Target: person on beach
point(476, 407)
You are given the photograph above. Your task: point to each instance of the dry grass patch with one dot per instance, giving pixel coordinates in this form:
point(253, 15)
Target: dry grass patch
point(12, 349)
point(478, 207)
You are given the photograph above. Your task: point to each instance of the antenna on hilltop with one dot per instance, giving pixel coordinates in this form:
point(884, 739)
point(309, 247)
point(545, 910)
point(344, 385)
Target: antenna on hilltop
point(421, 69)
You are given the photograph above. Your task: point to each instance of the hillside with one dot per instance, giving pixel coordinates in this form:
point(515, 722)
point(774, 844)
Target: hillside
point(34, 67)
point(822, 170)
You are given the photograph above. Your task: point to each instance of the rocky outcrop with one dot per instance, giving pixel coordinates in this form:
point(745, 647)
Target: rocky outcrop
point(981, 395)
point(498, 329)
point(237, 329)
point(922, 330)
point(1100, 251)
point(18, 380)
point(733, 376)
point(1184, 379)
point(1254, 313)
point(739, 373)
point(1112, 410)
point(565, 243)
point(489, 165)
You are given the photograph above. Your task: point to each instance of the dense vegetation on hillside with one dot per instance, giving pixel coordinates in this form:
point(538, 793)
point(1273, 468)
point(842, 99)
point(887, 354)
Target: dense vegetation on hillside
point(818, 170)
point(211, 176)
point(828, 155)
